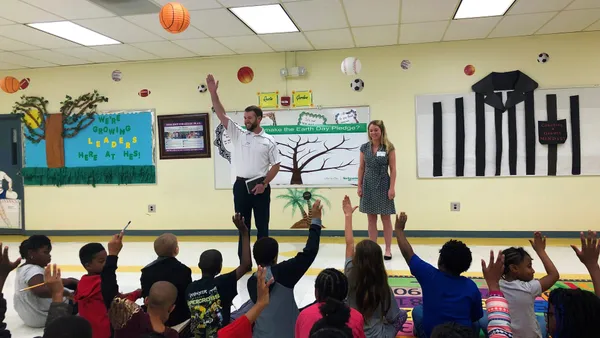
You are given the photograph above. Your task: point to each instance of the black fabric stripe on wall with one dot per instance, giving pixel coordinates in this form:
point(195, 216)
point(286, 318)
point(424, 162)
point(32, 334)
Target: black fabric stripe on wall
point(437, 139)
point(552, 148)
point(498, 126)
point(530, 135)
point(512, 138)
point(479, 135)
point(460, 137)
point(575, 136)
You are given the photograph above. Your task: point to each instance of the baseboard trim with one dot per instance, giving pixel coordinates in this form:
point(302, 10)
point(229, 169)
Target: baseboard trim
point(297, 232)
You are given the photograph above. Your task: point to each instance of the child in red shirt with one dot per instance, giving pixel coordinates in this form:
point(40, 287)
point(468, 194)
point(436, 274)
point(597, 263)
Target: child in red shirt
point(89, 293)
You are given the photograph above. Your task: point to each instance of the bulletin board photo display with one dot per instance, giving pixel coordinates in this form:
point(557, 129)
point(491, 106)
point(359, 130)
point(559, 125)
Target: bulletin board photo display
point(184, 136)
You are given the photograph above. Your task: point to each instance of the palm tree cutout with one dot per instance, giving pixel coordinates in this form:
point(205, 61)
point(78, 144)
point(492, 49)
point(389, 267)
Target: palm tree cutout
point(297, 199)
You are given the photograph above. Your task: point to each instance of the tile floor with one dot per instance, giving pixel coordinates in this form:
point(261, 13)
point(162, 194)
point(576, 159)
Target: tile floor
point(137, 254)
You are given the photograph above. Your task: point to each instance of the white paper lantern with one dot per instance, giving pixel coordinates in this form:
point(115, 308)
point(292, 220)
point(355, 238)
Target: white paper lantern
point(351, 66)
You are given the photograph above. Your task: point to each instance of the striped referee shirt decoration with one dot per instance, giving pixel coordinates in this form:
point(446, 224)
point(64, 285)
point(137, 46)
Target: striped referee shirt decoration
point(508, 127)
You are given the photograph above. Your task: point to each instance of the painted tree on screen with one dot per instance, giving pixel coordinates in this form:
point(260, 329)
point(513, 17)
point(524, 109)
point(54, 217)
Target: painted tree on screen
point(75, 115)
point(295, 200)
point(301, 153)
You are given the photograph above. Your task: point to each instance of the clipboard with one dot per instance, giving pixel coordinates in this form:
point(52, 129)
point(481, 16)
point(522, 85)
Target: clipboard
point(253, 182)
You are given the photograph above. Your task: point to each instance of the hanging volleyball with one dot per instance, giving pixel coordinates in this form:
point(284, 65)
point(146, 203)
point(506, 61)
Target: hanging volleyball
point(174, 17)
point(9, 84)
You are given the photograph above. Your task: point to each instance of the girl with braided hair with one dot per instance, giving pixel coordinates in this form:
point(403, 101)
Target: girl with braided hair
point(331, 284)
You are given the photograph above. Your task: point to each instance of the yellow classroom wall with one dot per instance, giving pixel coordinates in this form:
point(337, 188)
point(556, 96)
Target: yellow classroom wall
point(185, 196)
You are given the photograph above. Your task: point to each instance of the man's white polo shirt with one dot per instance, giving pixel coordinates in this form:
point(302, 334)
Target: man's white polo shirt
point(253, 154)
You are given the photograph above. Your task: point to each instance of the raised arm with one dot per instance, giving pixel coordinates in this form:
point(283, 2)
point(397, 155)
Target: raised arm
point(108, 282)
point(496, 304)
point(348, 232)
point(246, 259)
point(588, 255)
point(539, 245)
point(392, 165)
point(405, 247)
point(218, 108)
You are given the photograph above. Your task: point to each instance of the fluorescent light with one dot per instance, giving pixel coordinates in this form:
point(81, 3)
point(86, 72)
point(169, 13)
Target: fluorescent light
point(482, 8)
point(265, 19)
point(73, 32)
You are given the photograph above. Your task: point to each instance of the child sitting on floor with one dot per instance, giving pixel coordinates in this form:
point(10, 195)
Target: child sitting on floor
point(167, 268)
point(521, 289)
point(32, 305)
point(447, 296)
point(209, 298)
point(89, 295)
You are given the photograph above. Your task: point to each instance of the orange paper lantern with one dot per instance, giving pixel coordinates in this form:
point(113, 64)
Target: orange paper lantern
point(9, 84)
point(174, 17)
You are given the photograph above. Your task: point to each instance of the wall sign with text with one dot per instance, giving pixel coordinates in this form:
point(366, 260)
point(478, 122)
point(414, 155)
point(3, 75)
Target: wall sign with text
point(184, 136)
point(268, 100)
point(302, 98)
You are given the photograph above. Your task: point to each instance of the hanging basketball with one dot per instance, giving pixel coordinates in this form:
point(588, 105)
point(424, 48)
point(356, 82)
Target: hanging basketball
point(174, 17)
point(9, 84)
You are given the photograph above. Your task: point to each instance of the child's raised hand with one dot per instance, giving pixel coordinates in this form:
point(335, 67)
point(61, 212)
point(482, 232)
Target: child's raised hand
point(239, 222)
point(317, 209)
point(53, 280)
point(493, 271)
point(6, 266)
point(590, 250)
point(401, 221)
point(115, 245)
point(263, 285)
point(539, 242)
point(347, 206)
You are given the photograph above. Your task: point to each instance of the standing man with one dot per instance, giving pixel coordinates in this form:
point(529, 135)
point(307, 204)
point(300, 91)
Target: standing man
point(255, 159)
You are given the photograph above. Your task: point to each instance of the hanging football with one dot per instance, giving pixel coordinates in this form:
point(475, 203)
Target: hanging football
point(202, 88)
point(543, 58)
point(357, 85)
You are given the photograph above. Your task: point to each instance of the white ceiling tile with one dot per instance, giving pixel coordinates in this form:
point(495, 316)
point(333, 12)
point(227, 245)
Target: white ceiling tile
point(240, 3)
point(372, 13)
point(34, 37)
point(25, 61)
point(53, 57)
point(518, 25)
point(192, 5)
point(89, 54)
point(331, 39)
point(423, 32)
point(204, 47)
point(375, 35)
point(286, 41)
point(538, 6)
point(583, 4)
point(317, 14)
point(164, 49)
point(428, 10)
point(24, 13)
point(218, 23)
point(468, 29)
point(71, 9)
point(13, 45)
point(245, 44)
point(571, 21)
point(151, 23)
point(594, 27)
point(7, 66)
point(6, 22)
point(126, 52)
point(119, 29)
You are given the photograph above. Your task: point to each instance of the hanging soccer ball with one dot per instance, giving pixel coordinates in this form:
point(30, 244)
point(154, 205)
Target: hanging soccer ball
point(357, 85)
point(202, 88)
point(543, 58)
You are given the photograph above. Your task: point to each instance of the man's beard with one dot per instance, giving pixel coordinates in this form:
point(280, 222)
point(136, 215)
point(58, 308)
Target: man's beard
point(252, 126)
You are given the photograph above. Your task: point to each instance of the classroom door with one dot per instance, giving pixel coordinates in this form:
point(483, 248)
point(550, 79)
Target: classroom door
point(11, 182)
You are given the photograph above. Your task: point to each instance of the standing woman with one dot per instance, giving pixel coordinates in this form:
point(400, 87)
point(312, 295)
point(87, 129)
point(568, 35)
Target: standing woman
point(376, 185)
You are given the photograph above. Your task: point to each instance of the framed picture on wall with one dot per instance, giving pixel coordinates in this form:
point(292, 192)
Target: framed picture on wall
point(184, 136)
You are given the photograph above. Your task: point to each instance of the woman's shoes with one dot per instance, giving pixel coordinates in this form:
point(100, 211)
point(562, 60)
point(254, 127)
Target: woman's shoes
point(387, 258)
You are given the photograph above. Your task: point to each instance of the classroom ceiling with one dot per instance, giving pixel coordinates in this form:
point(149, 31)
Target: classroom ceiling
point(214, 30)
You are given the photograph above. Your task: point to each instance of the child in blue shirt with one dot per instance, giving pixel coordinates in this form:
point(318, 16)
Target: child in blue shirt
point(447, 296)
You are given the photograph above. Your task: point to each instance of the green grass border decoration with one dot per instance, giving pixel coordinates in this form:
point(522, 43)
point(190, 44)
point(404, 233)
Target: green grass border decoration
point(143, 174)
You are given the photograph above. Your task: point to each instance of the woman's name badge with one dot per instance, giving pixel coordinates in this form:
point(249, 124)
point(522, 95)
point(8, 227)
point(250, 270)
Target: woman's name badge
point(380, 153)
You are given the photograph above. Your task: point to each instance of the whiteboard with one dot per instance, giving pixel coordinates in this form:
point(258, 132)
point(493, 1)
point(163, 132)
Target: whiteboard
point(326, 142)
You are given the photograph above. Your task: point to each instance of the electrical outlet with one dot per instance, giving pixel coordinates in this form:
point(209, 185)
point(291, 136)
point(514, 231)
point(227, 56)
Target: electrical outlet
point(151, 207)
point(454, 206)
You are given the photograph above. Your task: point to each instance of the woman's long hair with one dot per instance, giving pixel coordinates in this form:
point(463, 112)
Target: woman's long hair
point(369, 280)
point(388, 146)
